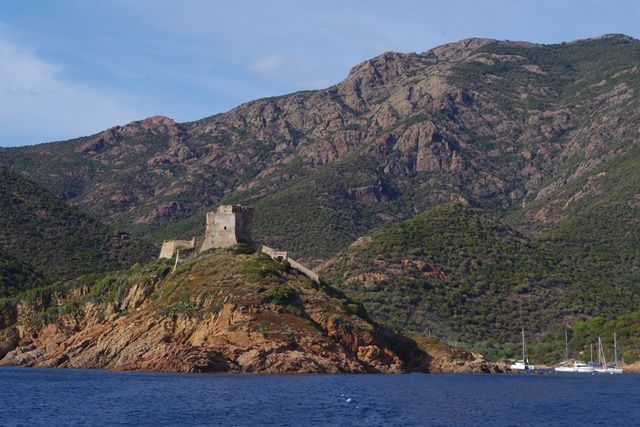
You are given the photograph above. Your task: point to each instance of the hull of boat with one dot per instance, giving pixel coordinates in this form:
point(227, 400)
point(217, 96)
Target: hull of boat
point(609, 370)
point(577, 370)
point(522, 366)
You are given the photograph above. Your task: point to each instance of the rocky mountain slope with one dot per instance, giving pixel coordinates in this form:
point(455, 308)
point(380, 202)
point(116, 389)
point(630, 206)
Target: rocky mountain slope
point(224, 311)
point(497, 123)
point(42, 238)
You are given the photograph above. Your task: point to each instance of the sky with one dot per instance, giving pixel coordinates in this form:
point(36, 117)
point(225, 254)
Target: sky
point(70, 68)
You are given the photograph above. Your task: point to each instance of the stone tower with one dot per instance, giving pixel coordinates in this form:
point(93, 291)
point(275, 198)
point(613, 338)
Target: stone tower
point(227, 226)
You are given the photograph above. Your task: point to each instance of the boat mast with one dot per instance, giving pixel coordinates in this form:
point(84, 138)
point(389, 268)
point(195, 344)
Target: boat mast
point(599, 355)
point(566, 346)
point(615, 349)
point(523, 351)
point(601, 359)
point(591, 354)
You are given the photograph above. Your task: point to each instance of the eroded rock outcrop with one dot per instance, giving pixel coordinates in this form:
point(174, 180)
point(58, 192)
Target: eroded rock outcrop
point(221, 312)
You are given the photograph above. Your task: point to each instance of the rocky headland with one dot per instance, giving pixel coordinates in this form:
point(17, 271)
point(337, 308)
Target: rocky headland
point(222, 311)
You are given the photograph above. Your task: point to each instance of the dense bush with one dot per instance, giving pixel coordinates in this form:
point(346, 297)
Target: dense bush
point(479, 281)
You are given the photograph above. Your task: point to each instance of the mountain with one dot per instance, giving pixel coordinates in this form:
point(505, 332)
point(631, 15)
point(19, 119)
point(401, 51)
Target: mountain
point(496, 123)
point(42, 237)
point(223, 311)
point(457, 273)
point(535, 145)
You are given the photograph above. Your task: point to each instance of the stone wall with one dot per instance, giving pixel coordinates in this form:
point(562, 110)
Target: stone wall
point(169, 247)
point(304, 270)
point(273, 253)
point(227, 226)
point(282, 255)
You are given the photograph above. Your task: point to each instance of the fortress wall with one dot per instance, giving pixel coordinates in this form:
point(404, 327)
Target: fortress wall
point(225, 226)
point(224, 230)
point(304, 270)
point(169, 247)
point(275, 254)
point(244, 216)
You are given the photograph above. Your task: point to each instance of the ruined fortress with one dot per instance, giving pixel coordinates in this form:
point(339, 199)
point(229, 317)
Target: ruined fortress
point(226, 227)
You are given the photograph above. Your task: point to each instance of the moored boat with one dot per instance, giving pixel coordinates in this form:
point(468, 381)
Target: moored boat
point(523, 365)
point(577, 366)
point(603, 367)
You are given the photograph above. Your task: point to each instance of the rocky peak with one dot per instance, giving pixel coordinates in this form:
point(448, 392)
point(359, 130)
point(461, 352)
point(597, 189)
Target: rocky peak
point(622, 37)
point(457, 51)
point(372, 80)
point(156, 124)
point(385, 67)
point(159, 125)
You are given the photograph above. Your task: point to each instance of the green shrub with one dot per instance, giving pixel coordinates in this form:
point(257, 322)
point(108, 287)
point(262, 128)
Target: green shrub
point(281, 295)
point(292, 309)
point(185, 307)
point(262, 268)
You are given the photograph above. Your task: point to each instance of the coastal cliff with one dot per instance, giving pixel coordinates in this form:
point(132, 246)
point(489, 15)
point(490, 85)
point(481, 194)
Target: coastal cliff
point(222, 311)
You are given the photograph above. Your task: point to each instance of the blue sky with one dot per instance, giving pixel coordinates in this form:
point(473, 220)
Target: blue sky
point(74, 67)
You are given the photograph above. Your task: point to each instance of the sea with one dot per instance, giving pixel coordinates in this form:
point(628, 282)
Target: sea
point(68, 397)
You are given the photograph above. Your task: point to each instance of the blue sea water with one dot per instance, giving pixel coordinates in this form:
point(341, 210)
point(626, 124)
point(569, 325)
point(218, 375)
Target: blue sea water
point(49, 397)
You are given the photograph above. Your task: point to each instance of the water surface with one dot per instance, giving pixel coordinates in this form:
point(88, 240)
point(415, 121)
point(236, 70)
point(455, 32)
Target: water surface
point(86, 397)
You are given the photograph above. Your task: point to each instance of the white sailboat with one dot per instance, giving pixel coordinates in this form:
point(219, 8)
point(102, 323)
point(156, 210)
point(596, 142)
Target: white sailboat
point(617, 369)
point(577, 366)
point(522, 365)
point(603, 367)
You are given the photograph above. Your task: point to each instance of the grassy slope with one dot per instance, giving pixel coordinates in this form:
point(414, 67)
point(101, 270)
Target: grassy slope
point(626, 327)
point(595, 220)
point(597, 215)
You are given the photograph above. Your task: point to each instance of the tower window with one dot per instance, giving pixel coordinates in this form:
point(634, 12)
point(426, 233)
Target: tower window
point(225, 227)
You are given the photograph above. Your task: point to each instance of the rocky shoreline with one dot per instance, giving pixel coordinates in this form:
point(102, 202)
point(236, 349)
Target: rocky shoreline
point(218, 313)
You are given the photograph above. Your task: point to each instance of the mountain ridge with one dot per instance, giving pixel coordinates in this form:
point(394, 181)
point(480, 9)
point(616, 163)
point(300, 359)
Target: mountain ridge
point(432, 126)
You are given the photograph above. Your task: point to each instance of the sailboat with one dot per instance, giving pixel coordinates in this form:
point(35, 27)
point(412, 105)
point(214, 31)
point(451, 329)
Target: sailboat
point(522, 365)
point(578, 366)
point(603, 367)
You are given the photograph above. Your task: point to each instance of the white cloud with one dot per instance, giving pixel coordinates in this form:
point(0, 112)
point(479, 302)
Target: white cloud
point(38, 105)
point(267, 64)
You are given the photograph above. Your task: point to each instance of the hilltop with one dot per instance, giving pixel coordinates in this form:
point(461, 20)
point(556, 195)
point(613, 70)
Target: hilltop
point(222, 311)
